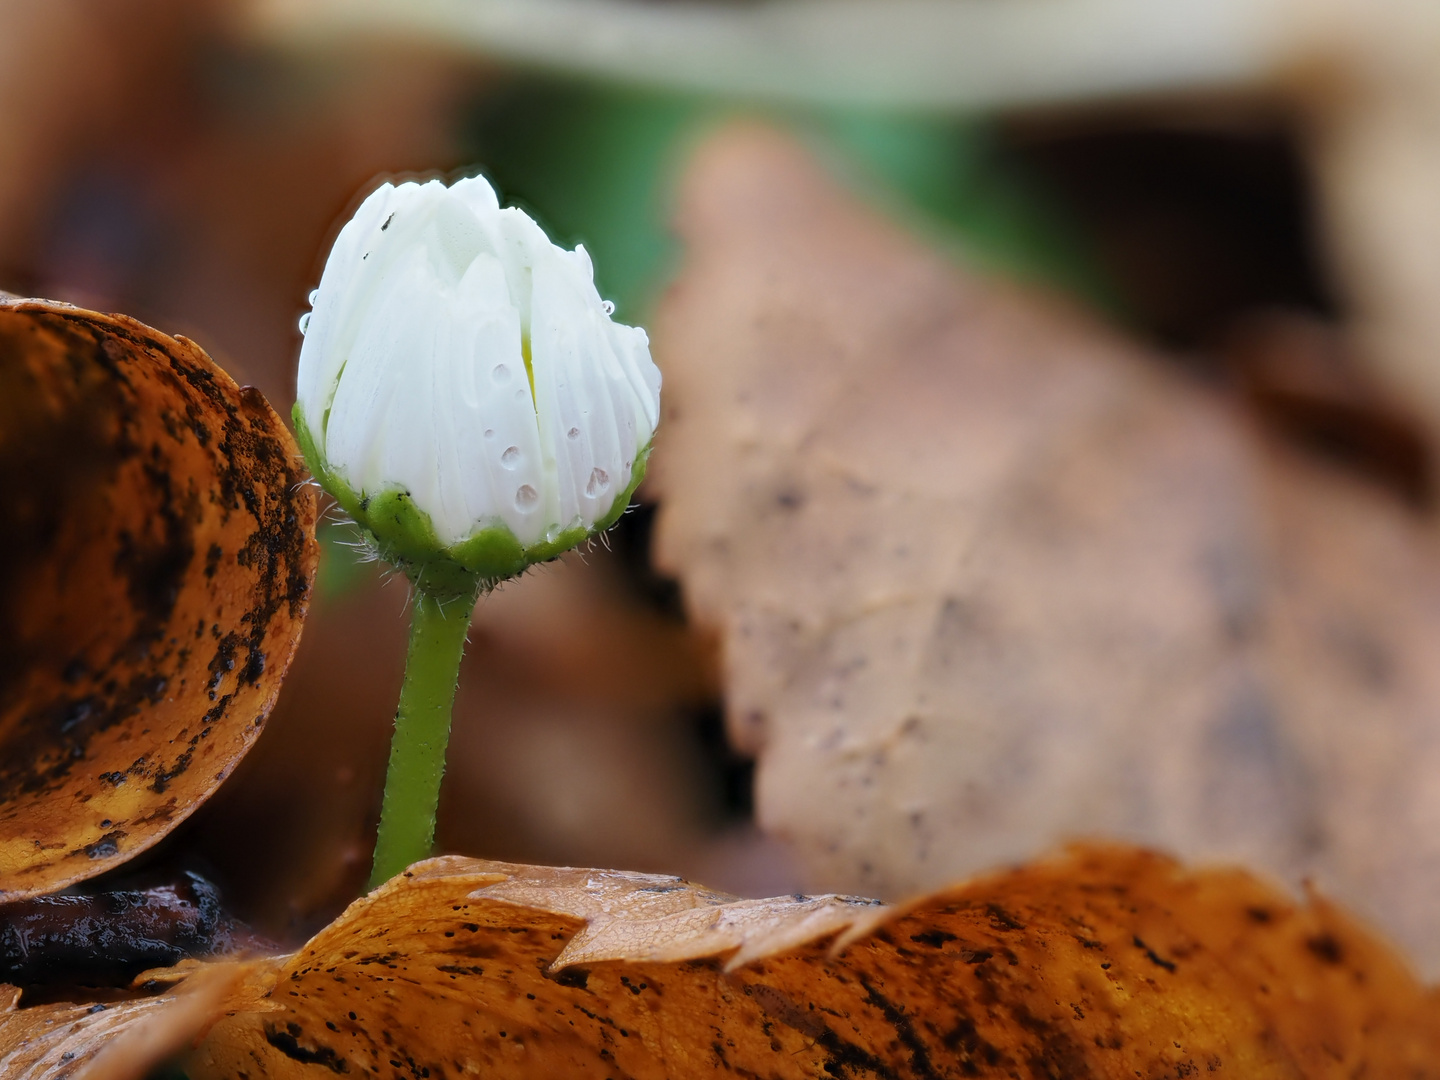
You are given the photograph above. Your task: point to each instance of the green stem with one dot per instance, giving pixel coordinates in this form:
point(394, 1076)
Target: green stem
point(422, 728)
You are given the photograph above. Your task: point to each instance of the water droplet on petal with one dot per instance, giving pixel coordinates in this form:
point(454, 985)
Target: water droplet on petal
point(511, 457)
point(554, 532)
point(598, 484)
point(526, 497)
point(489, 432)
point(573, 433)
point(500, 373)
point(608, 306)
point(522, 394)
point(304, 322)
point(314, 295)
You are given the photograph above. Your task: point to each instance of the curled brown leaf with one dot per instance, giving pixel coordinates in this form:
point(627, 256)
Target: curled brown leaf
point(156, 557)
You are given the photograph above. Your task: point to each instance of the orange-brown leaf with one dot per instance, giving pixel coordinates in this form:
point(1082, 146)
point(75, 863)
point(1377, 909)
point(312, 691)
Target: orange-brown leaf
point(120, 1040)
point(156, 555)
point(1098, 962)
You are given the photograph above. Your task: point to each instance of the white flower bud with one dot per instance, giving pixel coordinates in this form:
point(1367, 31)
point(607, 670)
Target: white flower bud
point(462, 389)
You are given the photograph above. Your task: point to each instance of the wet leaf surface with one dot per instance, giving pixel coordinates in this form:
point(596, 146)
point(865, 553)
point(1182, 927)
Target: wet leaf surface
point(1099, 961)
point(989, 575)
point(108, 938)
point(155, 567)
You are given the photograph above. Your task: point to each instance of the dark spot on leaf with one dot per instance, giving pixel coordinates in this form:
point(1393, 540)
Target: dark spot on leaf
point(578, 977)
point(106, 847)
point(289, 1045)
point(1326, 947)
point(1154, 957)
point(1002, 919)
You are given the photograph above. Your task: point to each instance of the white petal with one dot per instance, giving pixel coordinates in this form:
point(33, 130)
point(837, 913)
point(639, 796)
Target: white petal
point(509, 457)
point(571, 346)
point(456, 238)
point(361, 267)
point(413, 376)
point(320, 362)
point(377, 388)
point(476, 193)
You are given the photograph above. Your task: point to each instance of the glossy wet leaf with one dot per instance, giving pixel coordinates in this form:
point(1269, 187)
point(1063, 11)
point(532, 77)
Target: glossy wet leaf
point(156, 556)
point(108, 937)
point(989, 576)
point(1099, 961)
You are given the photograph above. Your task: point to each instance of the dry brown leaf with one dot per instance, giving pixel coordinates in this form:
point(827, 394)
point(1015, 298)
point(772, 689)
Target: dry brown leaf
point(1100, 961)
point(157, 561)
point(988, 576)
point(120, 1040)
point(1097, 962)
point(427, 970)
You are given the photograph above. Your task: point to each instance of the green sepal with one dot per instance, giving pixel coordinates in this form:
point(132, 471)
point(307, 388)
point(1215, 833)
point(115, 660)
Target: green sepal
point(545, 550)
point(494, 553)
point(405, 537)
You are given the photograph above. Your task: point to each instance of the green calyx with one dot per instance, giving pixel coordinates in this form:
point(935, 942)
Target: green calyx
point(404, 536)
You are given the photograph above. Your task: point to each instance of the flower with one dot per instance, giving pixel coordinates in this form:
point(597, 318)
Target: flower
point(462, 390)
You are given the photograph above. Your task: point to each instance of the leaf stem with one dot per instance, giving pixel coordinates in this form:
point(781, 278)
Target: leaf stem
point(422, 729)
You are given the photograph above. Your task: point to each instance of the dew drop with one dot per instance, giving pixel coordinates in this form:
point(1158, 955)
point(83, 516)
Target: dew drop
point(573, 433)
point(489, 432)
point(511, 457)
point(522, 394)
point(500, 373)
point(609, 307)
point(314, 295)
point(304, 322)
point(598, 484)
point(526, 497)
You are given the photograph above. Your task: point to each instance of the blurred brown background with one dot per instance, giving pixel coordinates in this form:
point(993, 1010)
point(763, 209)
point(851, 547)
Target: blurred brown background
point(1238, 201)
